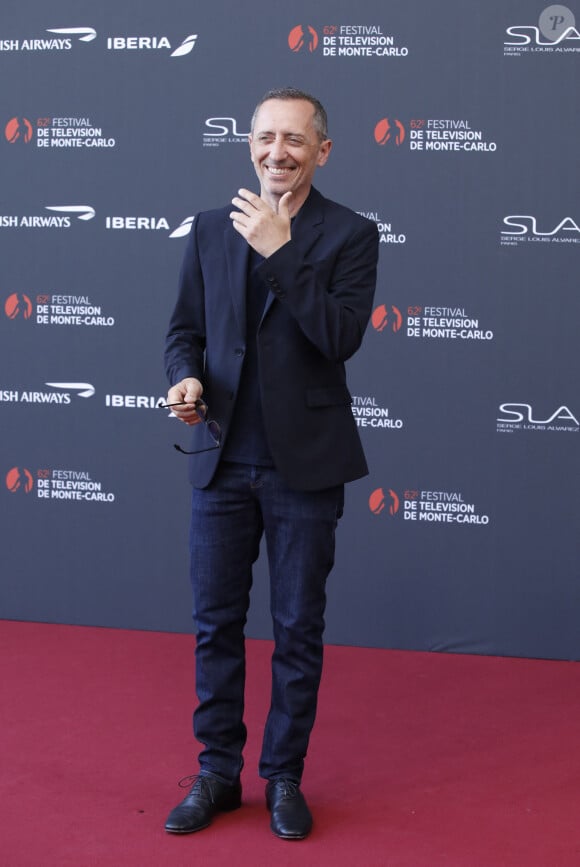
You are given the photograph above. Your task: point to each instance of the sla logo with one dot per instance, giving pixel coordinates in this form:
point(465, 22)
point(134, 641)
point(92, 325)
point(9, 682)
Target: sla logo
point(301, 37)
point(524, 227)
point(18, 129)
point(381, 318)
point(147, 43)
point(386, 131)
point(18, 304)
point(223, 130)
point(228, 128)
point(556, 25)
point(19, 479)
point(520, 416)
point(378, 501)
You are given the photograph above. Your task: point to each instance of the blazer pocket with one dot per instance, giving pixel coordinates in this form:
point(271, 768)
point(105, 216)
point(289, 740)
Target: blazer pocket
point(336, 395)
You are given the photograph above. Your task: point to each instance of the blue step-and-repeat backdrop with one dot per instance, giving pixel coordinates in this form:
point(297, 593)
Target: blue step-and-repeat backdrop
point(455, 128)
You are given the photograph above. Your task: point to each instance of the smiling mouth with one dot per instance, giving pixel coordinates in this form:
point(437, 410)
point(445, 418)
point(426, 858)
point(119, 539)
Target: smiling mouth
point(279, 172)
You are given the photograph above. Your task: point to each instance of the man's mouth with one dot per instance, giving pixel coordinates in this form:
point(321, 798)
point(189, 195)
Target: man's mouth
point(279, 172)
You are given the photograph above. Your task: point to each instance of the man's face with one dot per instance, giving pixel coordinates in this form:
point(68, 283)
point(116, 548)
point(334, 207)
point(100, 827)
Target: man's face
point(286, 148)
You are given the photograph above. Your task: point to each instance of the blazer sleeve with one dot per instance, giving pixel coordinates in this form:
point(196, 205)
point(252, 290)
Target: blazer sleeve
point(330, 297)
point(186, 337)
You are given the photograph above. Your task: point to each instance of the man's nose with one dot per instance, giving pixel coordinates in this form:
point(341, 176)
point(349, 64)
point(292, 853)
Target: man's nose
point(278, 149)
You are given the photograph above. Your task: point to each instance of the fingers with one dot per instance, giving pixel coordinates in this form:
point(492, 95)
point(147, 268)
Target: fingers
point(238, 218)
point(284, 205)
point(185, 394)
point(188, 389)
point(251, 198)
point(243, 208)
point(265, 229)
point(187, 413)
point(248, 204)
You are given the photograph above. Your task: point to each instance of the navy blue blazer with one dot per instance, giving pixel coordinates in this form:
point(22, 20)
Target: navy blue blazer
point(321, 286)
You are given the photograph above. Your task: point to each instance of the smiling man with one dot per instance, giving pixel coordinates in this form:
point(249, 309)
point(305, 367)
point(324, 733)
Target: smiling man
point(274, 297)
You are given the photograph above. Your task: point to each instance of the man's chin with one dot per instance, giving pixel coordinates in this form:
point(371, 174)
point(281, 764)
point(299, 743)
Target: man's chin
point(278, 189)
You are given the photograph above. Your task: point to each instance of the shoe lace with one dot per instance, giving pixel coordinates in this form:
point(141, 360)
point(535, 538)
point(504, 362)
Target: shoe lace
point(199, 782)
point(287, 788)
point(188, 782)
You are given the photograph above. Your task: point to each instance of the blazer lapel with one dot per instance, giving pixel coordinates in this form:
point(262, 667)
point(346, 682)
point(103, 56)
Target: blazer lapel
point(237, 255)
point(308, 223)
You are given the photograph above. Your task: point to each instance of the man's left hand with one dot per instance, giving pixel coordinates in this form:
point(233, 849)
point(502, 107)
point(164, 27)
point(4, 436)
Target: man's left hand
point(264, 229)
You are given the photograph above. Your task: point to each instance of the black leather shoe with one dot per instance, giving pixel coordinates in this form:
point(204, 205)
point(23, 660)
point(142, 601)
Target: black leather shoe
point(206, 797)
point(290, 817)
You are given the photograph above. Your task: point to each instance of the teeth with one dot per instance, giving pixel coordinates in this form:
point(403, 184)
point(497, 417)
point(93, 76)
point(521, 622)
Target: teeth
point(277, 171)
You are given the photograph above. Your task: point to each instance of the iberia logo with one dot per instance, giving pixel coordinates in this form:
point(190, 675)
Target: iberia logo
point(186, 46)
point(383, 317)
point(18, 304)
point(378, 501)
point(18, 129)
point(19, 479)
point(389, 131)
point(301, 37)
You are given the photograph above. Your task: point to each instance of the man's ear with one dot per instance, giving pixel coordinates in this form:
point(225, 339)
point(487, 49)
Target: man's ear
point(324, 152)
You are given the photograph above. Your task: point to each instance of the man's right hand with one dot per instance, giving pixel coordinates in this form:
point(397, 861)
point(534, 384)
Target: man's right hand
point(186, 392)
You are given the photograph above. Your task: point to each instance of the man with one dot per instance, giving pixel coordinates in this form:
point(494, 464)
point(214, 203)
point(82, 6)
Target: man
point(274, 296)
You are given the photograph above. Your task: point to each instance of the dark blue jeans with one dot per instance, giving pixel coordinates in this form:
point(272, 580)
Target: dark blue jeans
point(228, 520)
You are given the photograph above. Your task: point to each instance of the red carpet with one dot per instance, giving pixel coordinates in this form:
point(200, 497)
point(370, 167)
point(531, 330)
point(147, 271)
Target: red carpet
point(417, 760)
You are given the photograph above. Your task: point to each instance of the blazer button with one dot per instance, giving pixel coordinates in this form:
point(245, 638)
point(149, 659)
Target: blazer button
point(239, 351)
